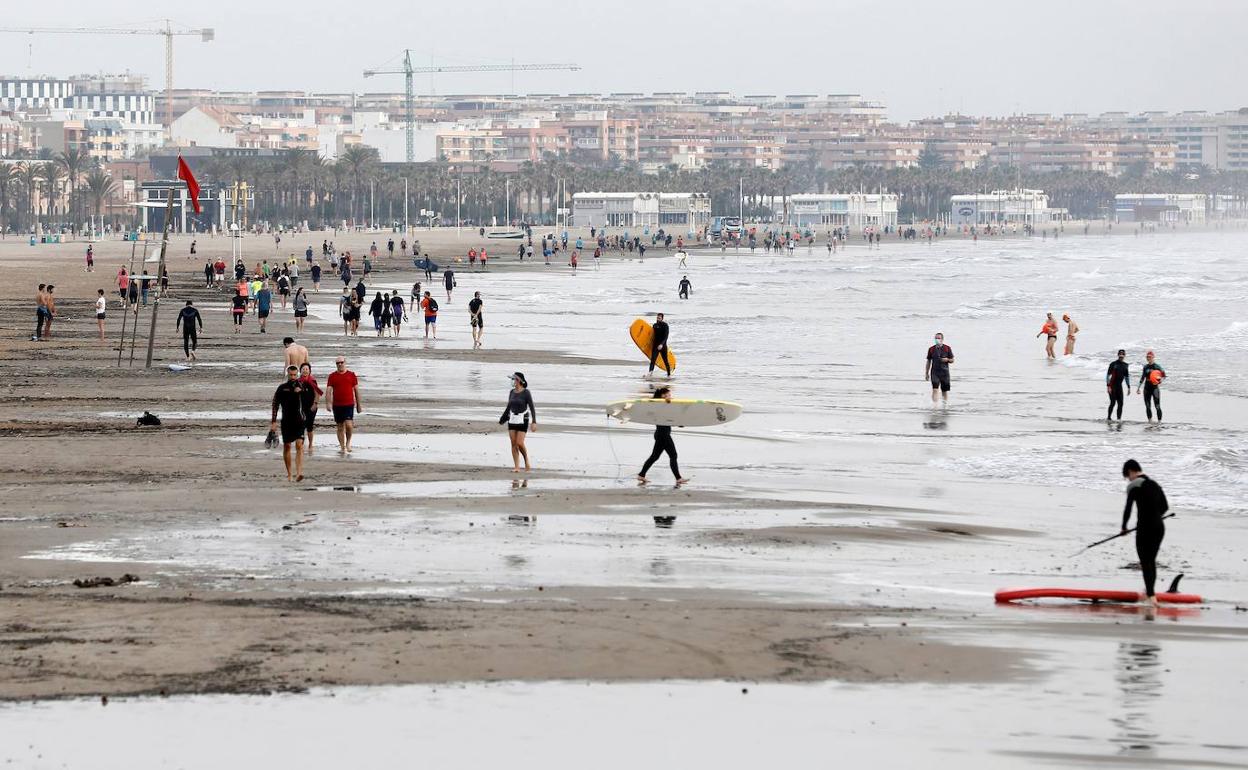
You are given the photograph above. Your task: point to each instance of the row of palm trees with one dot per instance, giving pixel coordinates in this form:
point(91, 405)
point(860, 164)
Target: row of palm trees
point(302, 186)
point(53, 192)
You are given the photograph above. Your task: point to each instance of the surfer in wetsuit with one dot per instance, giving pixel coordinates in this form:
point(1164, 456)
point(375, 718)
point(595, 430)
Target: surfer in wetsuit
point(658, 345)
point(1116, 380)
point(188, 317)
point(1150, 381)
point(1150, 507)
point(294, 399)
point(685, 287)
point(662, 443)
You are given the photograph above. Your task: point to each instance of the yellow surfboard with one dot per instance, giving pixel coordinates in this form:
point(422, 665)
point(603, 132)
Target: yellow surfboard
point(642, 334)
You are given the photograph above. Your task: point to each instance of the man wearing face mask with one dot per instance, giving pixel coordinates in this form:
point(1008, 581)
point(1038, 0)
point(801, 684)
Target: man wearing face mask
point(936, 370)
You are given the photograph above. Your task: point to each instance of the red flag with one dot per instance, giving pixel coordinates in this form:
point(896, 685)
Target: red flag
point(192, 187)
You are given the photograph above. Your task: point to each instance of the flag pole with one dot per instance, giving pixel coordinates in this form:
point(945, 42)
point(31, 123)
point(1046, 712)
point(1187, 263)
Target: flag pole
point(160, 271)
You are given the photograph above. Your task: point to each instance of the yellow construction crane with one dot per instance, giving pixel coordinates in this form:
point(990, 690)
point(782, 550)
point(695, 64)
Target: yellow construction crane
point(206, 35)
point(409, 96)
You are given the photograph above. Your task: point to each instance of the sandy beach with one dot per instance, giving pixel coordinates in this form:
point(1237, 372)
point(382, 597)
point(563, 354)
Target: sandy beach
point(842, 532)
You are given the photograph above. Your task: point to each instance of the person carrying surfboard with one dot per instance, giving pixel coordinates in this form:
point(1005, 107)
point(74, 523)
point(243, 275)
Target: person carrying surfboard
point(658, 345)
point(662, 443)
point(1150, 506)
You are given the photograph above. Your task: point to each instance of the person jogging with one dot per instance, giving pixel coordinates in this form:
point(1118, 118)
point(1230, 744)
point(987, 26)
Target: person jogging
point(685, 287)
point(658, 345)
point(188, 319)
point(292, 399)
point(662, 443)
point(520, 416)
point(1117, 380)
point(1150, 506)
point(342, 389)
point(1150, 381)
point(936, 368)
point(476, 318)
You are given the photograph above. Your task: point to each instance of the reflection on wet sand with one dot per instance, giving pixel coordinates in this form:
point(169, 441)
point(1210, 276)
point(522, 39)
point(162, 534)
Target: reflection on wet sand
point(1138, 674)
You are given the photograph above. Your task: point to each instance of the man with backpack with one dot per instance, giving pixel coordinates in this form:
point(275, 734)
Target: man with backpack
point(430, 306)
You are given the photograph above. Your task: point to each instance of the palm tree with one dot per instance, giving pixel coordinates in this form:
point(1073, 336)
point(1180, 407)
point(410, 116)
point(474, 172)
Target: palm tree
point(100, 187)
point(51, 174)
point(28, 175)
point(74, 160)
point(358, 160)
point(8, 188)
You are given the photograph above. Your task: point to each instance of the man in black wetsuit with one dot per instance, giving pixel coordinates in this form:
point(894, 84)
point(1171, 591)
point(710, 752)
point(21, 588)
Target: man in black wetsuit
point(1150, 507)
point(1116, 382)
point(662, 443)
point(685, 286)
point(188, 319)
point(295, 400)
point(658, 345)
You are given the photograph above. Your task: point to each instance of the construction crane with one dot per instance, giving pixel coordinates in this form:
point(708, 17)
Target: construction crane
point(408, 71)
point(206, 35)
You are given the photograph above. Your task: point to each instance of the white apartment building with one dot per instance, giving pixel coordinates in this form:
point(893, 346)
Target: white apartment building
point(1217, 140)
point(18, 94)
point(1165, 208)
point(858, 212)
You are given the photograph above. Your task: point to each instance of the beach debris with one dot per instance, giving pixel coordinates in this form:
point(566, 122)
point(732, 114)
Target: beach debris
point(311, 518)
point(67, 524)
point(106, 582)
point(147, 419)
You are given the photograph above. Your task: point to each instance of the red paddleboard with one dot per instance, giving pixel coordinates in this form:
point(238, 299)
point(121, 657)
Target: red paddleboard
point(1092, 595)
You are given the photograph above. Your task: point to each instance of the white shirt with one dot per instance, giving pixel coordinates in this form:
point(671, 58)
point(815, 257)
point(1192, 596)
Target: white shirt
point(100, 305)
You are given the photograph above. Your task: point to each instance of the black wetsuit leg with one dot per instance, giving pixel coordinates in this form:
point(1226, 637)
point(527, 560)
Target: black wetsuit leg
point(657, 352)
point(1147, 544)
point(1152, 397)
point(190, 340)
point(1115, 398)
point(662, 444)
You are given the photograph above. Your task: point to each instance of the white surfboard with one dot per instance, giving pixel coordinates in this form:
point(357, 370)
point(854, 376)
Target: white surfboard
point(680, 413)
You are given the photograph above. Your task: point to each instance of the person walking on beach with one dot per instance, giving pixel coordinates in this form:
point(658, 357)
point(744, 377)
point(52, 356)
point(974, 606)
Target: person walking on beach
point(1049, 329)
point(188, 319)
point(1072, 329)
point(936, 368)
point(49, 311)
point(316, 277)
point(309, 415)
point(342, 389)
point(296, 354)
point(238, 309)
point(662, 443)
point(101, 309)
point(1150, 381)
point(520, 416)
point(90, 258)
point(291, 398)
point(448, 280)
point(476, 320)
point(430, 306)
point(300, 303)
point(41, 311)
point(1117, 380)
point(685, 287)
point(1150, 506)
point(264, 306)
point(396, 312)
point(658, 345)
point(375, 310)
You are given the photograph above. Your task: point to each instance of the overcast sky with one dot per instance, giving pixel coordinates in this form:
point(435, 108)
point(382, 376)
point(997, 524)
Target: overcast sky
point(920, 57)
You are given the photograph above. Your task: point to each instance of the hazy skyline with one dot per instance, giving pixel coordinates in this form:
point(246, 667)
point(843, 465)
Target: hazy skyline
point(920, 58)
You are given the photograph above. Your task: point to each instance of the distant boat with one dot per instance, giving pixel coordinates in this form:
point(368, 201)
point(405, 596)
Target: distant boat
point(508, 235)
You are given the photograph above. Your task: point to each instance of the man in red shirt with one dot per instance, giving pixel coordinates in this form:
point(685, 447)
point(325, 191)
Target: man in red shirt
point(342, 390)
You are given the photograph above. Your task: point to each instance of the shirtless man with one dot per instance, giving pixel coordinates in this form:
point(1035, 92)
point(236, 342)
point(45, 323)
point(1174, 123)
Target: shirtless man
point(1049, 329)
point(1072, 329)
point(296, 354)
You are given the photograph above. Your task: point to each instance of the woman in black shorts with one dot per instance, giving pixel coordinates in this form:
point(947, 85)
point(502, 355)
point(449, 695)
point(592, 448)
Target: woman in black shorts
point(516, 416)
point(238, 307)
point(309, 414)
point(301, 308)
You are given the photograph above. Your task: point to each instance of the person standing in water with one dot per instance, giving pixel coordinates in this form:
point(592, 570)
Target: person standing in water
point(1049, 329)
point(516, 416)
point(476, 318)
point(1150, 506)
point(685, 287)
point(1150, 382)
point(936, 369)
point(662, 443)
point(1072, 329)
point(1117, 380)
point(658, 345)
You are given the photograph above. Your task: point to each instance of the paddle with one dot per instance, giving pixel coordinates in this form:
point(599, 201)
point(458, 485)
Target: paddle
point(1115, 537)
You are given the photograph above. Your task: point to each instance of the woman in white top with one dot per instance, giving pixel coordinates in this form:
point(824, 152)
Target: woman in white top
point(100, 306)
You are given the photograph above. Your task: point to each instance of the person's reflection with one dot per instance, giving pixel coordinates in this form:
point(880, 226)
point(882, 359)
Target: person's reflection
point(1138, 674)
point(519, 483)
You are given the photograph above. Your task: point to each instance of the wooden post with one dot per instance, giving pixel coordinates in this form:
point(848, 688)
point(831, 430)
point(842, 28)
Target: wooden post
point(160, 271)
